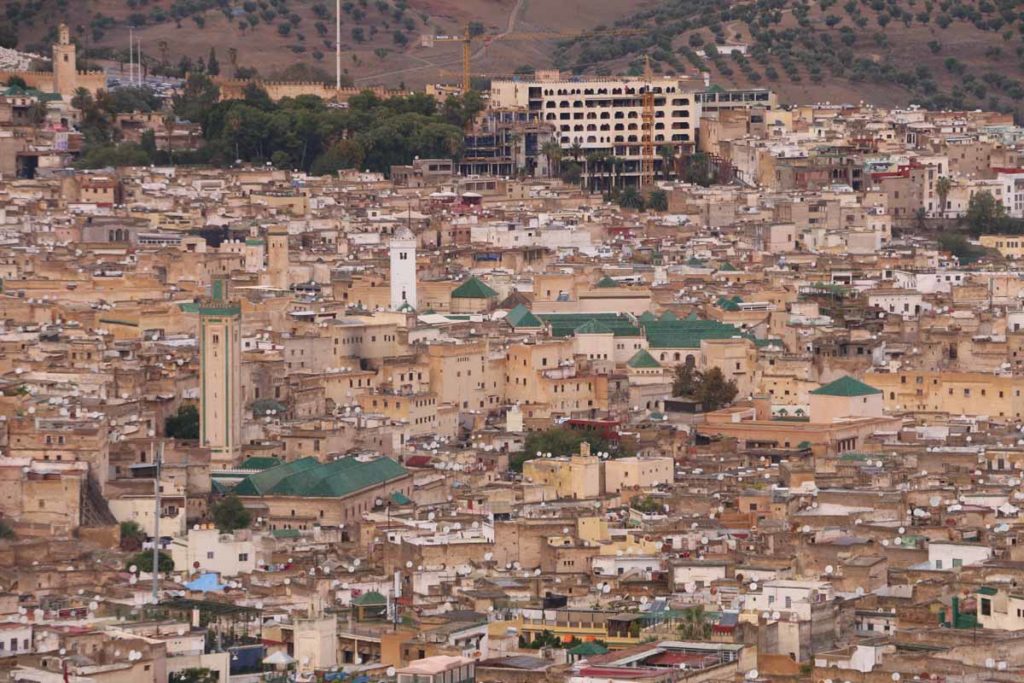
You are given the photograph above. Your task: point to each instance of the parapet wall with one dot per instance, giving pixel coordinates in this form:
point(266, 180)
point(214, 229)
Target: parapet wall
point(233, 89)
point(93, 81)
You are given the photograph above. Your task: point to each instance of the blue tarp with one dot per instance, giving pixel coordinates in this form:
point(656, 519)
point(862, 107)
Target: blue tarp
point(207, 583)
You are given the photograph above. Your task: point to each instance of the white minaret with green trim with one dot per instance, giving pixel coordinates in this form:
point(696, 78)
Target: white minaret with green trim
point(403, 269)
point(220, 376)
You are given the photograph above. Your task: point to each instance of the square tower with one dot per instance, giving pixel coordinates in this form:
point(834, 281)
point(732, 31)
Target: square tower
point(65, 64)
point(220, 375)
point(403, 270)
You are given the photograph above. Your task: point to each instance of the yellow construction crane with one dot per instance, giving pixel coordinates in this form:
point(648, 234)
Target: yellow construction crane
point(647, 125)
point(467, 43)
point(467, 53)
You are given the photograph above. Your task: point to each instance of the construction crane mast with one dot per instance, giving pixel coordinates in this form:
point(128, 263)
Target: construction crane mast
point(647, 128)
point(467, 53)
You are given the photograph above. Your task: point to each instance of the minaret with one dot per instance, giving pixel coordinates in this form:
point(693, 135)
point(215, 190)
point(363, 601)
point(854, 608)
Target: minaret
point(403, 269)
point(277, 257)
point(220, 376)
point(65, 65)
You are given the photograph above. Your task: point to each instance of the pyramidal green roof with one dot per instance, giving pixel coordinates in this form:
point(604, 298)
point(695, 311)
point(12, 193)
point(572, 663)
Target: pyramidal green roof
point(607, 282)
point(727, 268)
point(593, 327)
point(646, 317)
point(642, 359)
point(473, 288)
point(521, 316)
point(846, 386)
point(693, 316)
point(370, 599)
point(669, 316)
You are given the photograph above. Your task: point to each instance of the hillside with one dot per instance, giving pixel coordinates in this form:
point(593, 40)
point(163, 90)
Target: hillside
point(941, 54)
point(938, 53)
point(380, 39)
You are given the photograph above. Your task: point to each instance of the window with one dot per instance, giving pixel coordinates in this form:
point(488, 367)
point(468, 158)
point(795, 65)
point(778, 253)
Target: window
point(209, 555)
point(243, 557)
point(986, 607)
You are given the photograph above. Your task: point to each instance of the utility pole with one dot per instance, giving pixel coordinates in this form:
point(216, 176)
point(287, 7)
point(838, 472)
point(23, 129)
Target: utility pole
point(131, 54)
point(157, 462)
point(337, 44)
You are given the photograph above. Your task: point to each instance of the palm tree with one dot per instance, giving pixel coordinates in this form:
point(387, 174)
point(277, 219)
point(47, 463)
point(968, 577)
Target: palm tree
point(668, 157)
point(552, 151)
point(942, 187)
point(513, 143)
point(614, 163)
point(695, 624)
point(591, 161)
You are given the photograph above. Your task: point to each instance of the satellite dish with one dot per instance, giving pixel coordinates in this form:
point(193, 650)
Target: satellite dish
point(829, 569)
point(896, 675)
point(752, 675)
point(753, 586)
point(391, 671)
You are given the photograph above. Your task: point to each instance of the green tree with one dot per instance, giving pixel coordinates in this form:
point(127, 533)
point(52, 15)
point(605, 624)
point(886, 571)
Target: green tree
point(983, 212)
point(132, 536)
point(715, 391)
point(685, 380)
point(942, 187)
point(552, 151)
point(657, 200)
point(561, 442)
point(711, 389)
point(16, 82)
point(695, 624)
point(197, 99)
point(143, 561)
point(194, 675)
point(668, 157)
point(6, 532)
point(630, 198)
point(184, 424)
point(229, 514)
point(212, 65)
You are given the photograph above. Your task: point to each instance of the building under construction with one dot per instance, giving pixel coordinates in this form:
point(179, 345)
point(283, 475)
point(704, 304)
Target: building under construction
point(606, 118)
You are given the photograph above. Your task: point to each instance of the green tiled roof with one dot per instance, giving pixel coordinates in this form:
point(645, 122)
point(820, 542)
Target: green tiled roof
point(259, 463)
point(642, 359)
point(473, 288)
point(566, 324)
point(521, 316)
point(309, 478)
point(646, 317)
point(669, 316)
point(727, 268)
point(606, 282)
point(588, 649)
point(729, 303)
point(593, 327)
point(370, 599)
point(687, 334)
point(284, 533)
point(399, 498)
point(694, 262)
point(846, 386)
